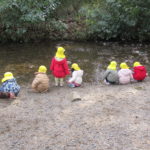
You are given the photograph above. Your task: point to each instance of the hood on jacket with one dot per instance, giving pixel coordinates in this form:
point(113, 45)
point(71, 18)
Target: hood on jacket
point(80, 72)
point(59, 60)
point(11, 80)
point(125, 72)
point(141, 68)
point(36, 73)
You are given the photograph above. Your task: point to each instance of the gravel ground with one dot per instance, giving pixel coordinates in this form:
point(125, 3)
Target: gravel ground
point(92, 117)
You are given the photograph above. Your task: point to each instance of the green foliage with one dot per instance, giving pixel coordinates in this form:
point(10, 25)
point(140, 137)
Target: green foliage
point(122, 19)
point(17, 15)
point(82, 19)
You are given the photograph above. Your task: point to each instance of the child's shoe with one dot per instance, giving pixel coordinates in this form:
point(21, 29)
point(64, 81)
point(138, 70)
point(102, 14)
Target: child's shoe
point(71, 85)
point(61, 84)
point(56, 84)
point(107, 83)
point(12, 96)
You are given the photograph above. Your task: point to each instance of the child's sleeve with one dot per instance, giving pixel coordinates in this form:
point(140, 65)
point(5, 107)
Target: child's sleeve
point(35, 83)
point(146, 71)
point(131, 75)
point(106, 74)
point(74, 75)
point(66, 68)
point(52, 65)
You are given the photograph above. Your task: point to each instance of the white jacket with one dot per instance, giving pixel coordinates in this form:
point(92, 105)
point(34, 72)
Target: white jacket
point(125, 76)
point(77, 77)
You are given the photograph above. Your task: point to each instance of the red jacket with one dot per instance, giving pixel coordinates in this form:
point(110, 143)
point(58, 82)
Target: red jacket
point(139, 73)
point(59, 68)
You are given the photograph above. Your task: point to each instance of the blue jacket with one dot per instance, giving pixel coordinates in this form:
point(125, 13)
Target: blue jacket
point(10, 86)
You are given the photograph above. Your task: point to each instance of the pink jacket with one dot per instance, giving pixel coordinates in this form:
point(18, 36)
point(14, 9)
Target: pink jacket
point(125, 76)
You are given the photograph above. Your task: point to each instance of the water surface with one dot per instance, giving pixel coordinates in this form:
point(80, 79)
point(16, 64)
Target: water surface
point(24, 59)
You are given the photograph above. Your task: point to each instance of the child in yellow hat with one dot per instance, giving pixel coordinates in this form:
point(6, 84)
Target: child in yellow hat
point(76, 79)
point(111, 75)
point(125, 74)
point(41, 80)
point(59, 66)
point(139, 71)
point(9, 87)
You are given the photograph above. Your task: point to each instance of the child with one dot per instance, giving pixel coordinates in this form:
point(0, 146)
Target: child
point(139, 71)
point(9, 87)
point(41, 80)
point(111, 75)
point(59, 66)
point(125, 74)
point(76, 78)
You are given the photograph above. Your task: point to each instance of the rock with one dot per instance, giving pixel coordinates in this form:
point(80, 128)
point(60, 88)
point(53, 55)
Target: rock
point(76, 97)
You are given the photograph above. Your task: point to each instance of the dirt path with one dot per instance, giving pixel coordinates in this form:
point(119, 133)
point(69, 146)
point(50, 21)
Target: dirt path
point(93, 117)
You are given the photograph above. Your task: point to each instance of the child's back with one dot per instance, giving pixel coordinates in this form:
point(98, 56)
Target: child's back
point(9, 85)
point(59, 66)
point(125, 74)
point(76, 79)
point(41, 80)
point(111, 74)
point(139, 72)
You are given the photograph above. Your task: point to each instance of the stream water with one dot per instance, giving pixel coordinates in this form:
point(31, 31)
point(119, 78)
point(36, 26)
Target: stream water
point(24, 59)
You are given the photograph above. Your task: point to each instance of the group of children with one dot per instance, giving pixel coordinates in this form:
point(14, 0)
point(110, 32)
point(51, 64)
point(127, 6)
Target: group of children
point(124, 75)
point(60, 69)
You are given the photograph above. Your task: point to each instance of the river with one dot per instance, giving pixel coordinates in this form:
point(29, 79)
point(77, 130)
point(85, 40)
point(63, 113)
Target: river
point(24, 59)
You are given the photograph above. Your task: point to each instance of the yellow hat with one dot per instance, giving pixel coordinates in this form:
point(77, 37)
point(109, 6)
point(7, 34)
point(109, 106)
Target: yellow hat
point(7, 76)
point(75, 67)
point(136, 64)
point(60, 52)
point(112, 65)
point(42, 69)
point(124, 66)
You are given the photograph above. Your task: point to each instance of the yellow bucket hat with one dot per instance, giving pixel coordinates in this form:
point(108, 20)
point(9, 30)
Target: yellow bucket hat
point(112, 65)
point(60, 52)
point(7, 76)
point(136, 64)
point(124, 66)
point(75, 67)
point(42, 69)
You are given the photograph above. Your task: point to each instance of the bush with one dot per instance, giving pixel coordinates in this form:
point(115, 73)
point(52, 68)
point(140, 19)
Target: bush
point(17, 15)
point(122, 19)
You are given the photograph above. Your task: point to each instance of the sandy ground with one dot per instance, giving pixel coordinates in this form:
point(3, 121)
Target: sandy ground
point(92, 117)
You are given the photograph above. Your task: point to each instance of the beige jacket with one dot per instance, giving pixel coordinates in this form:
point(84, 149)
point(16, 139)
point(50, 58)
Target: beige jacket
point(40, 82)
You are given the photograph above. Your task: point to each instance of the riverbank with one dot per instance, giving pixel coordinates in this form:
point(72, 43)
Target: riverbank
point(92, 117)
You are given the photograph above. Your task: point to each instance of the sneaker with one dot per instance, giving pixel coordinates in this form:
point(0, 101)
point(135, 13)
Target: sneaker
point(107, 83)
point(56, 84)
point(61, 84)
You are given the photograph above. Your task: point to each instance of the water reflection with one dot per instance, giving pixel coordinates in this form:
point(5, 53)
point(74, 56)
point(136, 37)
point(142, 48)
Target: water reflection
point(23, 59)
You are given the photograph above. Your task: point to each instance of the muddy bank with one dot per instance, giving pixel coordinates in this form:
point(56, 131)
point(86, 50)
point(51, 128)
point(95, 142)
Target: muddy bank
point(101, 118)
